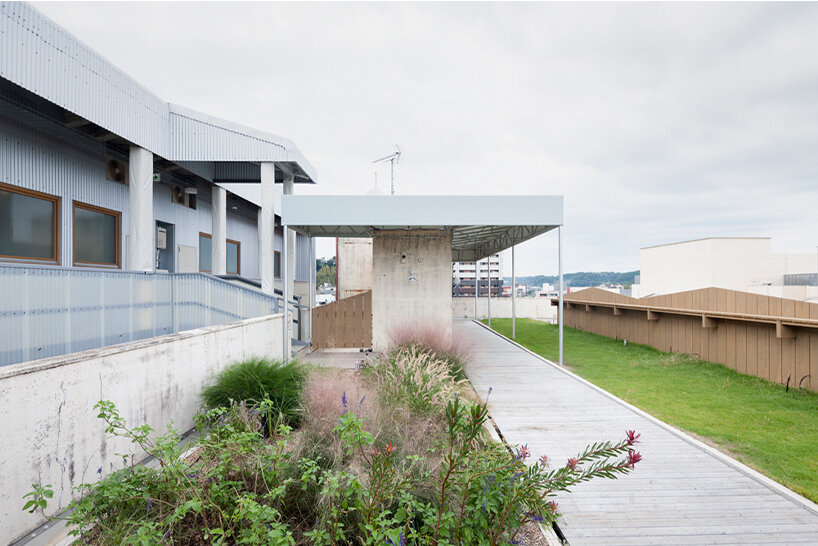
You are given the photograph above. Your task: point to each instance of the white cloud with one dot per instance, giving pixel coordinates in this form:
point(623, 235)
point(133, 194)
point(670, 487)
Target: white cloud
point(658, 122)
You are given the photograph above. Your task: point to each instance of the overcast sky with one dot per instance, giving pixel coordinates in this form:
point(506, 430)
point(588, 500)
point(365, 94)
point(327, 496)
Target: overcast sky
point(657, 122)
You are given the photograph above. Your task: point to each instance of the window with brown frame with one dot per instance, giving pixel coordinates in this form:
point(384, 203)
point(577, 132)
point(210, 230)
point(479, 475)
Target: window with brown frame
point(29, 225)
point(97, 236)
point(206, 256)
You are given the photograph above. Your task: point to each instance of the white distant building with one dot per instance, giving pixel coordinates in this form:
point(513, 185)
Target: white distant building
point(463, 277)
point(736, 263)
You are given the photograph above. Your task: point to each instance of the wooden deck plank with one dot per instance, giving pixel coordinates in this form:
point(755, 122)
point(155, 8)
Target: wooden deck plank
point(679, 494)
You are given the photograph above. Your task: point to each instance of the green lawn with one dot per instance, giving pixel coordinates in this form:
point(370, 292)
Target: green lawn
point(755, 421)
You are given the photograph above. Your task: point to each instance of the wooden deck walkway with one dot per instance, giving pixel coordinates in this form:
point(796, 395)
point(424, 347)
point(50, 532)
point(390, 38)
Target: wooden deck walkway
point(681, 493)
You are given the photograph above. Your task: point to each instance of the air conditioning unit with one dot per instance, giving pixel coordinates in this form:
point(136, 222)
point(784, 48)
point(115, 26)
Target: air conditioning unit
point(116, 171)
point(179, 196)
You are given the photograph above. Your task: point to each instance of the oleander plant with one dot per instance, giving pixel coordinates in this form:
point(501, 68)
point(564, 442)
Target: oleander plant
point(395, 454)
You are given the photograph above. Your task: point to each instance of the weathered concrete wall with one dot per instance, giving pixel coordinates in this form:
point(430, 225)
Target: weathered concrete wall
point(354, 266)
point(398, 302)
point(51, 434)
point(535, 308)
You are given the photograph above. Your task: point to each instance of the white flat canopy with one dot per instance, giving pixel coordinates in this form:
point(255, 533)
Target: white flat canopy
point(481, 225)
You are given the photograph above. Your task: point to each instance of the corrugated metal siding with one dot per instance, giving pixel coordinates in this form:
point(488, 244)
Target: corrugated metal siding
point(44, 58)
point(195, 140)
point(245, 231)
point(302, 258)
point(31, 160)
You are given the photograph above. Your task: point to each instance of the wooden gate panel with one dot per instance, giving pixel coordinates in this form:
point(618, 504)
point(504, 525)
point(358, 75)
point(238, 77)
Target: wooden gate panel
point(345, 323)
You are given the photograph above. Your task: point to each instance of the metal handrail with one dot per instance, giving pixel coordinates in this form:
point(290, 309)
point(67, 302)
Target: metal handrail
point(49, 311)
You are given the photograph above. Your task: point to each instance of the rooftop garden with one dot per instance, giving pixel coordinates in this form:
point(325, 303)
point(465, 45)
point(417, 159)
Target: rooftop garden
point(396, 453)
point(762, 424)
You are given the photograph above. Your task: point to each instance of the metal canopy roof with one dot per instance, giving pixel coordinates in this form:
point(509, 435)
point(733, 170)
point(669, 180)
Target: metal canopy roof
point(481, 225)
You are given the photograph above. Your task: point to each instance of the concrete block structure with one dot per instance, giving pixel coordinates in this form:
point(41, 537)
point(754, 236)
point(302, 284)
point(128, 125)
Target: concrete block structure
point(735, 263)
point(411, 285)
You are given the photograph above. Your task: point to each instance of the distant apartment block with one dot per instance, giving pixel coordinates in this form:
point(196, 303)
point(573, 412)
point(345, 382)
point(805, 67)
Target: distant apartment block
point(490, 273)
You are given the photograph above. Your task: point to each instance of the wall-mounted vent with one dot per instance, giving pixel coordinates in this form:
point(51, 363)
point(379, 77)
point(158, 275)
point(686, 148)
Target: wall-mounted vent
point(179, 196)
point(116, 171)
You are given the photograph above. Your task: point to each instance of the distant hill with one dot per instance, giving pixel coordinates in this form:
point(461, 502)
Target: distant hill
point(590, 278)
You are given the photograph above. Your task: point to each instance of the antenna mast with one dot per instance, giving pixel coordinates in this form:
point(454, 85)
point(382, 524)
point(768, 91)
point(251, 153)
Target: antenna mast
point(394, 159)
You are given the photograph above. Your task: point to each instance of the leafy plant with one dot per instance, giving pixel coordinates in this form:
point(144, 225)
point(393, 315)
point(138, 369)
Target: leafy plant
point(39, 493)
point(258, 379)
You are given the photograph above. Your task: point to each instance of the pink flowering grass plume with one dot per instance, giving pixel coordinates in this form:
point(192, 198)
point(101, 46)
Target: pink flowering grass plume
point(572, 463)
point(634, 457)
point(632, 437)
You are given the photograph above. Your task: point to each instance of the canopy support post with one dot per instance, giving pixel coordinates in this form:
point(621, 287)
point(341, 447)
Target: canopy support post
point(559, 243)
point(476, 278)
point(513, 298)
point(488, 293)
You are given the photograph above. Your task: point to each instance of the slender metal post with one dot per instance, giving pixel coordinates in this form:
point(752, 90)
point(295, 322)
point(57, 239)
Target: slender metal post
point(559, 242)
point(488, 294)
point(475, 289)
point(285, 277)
point(476, 278)
point(513, 298)
point(311, 299)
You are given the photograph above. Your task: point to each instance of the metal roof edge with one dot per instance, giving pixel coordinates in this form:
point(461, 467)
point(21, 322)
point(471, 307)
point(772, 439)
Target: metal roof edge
point(293, 153)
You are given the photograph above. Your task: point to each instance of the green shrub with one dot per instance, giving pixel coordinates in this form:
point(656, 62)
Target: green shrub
point(415, 377)
point(258, 379)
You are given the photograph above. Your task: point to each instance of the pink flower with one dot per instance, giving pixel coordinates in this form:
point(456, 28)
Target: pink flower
point(632, 437)
point(633, 458)
point(572, 463)
point(553, 506)
point(544, 461)
point(523, 453)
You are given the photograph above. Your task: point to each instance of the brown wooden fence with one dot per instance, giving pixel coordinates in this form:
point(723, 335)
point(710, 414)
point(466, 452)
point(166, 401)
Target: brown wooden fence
point(345, 323)
point(772, 338)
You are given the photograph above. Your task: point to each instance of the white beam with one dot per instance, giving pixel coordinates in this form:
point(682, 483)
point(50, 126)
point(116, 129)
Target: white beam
point(218, 236)
point(267, 228)
point(142, 226)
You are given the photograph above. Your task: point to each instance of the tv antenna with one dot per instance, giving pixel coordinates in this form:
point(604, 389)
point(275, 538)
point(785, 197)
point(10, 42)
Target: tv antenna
point(394, 159)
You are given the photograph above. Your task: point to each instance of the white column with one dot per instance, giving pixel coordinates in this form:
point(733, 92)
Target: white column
point(286, 335)
point(260, 245)
point(290, 236)
point(513, 299)
point(141, 224)
point(311, 299)
point(561, 309)
point(266, 228)
point(218, 236)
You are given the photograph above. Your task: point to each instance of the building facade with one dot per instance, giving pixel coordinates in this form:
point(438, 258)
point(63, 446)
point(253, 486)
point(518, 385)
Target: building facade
point(736, 263)
point(489, 277)
point(98, 174)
